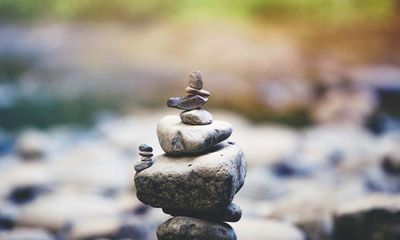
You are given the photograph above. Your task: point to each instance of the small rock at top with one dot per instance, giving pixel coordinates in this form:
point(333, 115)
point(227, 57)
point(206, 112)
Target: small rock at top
point(196, 80)
point(145, 148)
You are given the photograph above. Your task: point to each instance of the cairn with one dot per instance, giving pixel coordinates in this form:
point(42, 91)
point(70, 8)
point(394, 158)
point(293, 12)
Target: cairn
point(197, 178)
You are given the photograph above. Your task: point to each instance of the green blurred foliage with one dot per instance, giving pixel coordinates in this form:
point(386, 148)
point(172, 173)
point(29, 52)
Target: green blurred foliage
point(330, 10)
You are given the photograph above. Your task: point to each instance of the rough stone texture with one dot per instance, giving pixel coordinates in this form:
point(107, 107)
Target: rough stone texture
point(187, 103)
point(369, 218)
point(196, 80)
point(231, 213)
point(193, 228)
point(196, 117)
point(177, 138)
point(141, 165)
point(204, 182)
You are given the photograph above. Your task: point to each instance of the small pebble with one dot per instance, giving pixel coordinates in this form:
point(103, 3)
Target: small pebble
point(145, 154)
point(196, 117)
point(146, 159)
point(145, 148)
point(192, 91)
point(196, 80)
point(140, 166)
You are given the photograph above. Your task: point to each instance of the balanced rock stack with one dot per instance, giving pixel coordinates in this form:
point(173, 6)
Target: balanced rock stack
point(199, 174)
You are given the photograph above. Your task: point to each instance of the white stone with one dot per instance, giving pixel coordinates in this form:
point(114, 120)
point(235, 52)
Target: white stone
point(177, 138)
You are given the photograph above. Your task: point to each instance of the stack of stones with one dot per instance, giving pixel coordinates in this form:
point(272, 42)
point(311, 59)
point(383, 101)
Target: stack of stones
point(146, 152)
point(196, 179)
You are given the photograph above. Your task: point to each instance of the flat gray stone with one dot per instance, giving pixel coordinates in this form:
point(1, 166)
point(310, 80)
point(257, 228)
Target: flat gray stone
point(187, 103)
point(231, 213)
point(141, 165)
point(205, 182)
point(193, 228)
point(177, 138)
point(196, 117)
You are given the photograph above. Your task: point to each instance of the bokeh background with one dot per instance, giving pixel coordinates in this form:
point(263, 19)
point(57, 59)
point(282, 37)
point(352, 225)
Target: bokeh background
point(311, 87)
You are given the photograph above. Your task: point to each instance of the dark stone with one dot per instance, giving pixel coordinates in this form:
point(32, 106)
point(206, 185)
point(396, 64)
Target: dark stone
point(140, 166)
point(145, 154)
point(391, 164)
point(193, 228)
point(24, 194)
point(6, 222)
point(145, 148)
point(372, 218)
point(187, 103)
point(232, 213)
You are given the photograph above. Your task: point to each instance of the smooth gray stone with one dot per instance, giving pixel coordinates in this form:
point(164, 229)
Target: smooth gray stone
point(196, 80)
point(206, 182)
point(145, 148)
point(231, 213)
point(146, 154)
point(177, 138)
point(140, 166)
point(196, 117)
point(193, 91)
point(368, 218)
point(187, 103)
point(193, 228)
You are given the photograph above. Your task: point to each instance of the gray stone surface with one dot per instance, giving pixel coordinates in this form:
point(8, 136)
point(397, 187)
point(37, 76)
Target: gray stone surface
point(193, 228)
point(177, 138)
point(145, 148)
point(196, 117)
point(231, 213)
point(204, 182)
point(368, 218)
point(187, 103)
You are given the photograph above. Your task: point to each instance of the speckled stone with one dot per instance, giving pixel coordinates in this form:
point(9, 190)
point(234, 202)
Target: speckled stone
point(193, 228)
point(177, 138)
point(196, 117)
point(187, 103)
point(231, 213)
point(145, 148)
point(206, 182)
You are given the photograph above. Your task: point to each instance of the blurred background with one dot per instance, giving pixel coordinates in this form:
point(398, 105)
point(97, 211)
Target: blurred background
point(311, 87)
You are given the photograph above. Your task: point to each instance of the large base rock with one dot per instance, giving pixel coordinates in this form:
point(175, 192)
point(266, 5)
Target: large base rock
point(177, 138)
point(205, 182)
point(370, 218)
point(193, 228)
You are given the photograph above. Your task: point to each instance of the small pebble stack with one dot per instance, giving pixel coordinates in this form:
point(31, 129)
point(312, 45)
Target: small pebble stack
point(198, 177)
point(191, 104)
point(146, 152)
